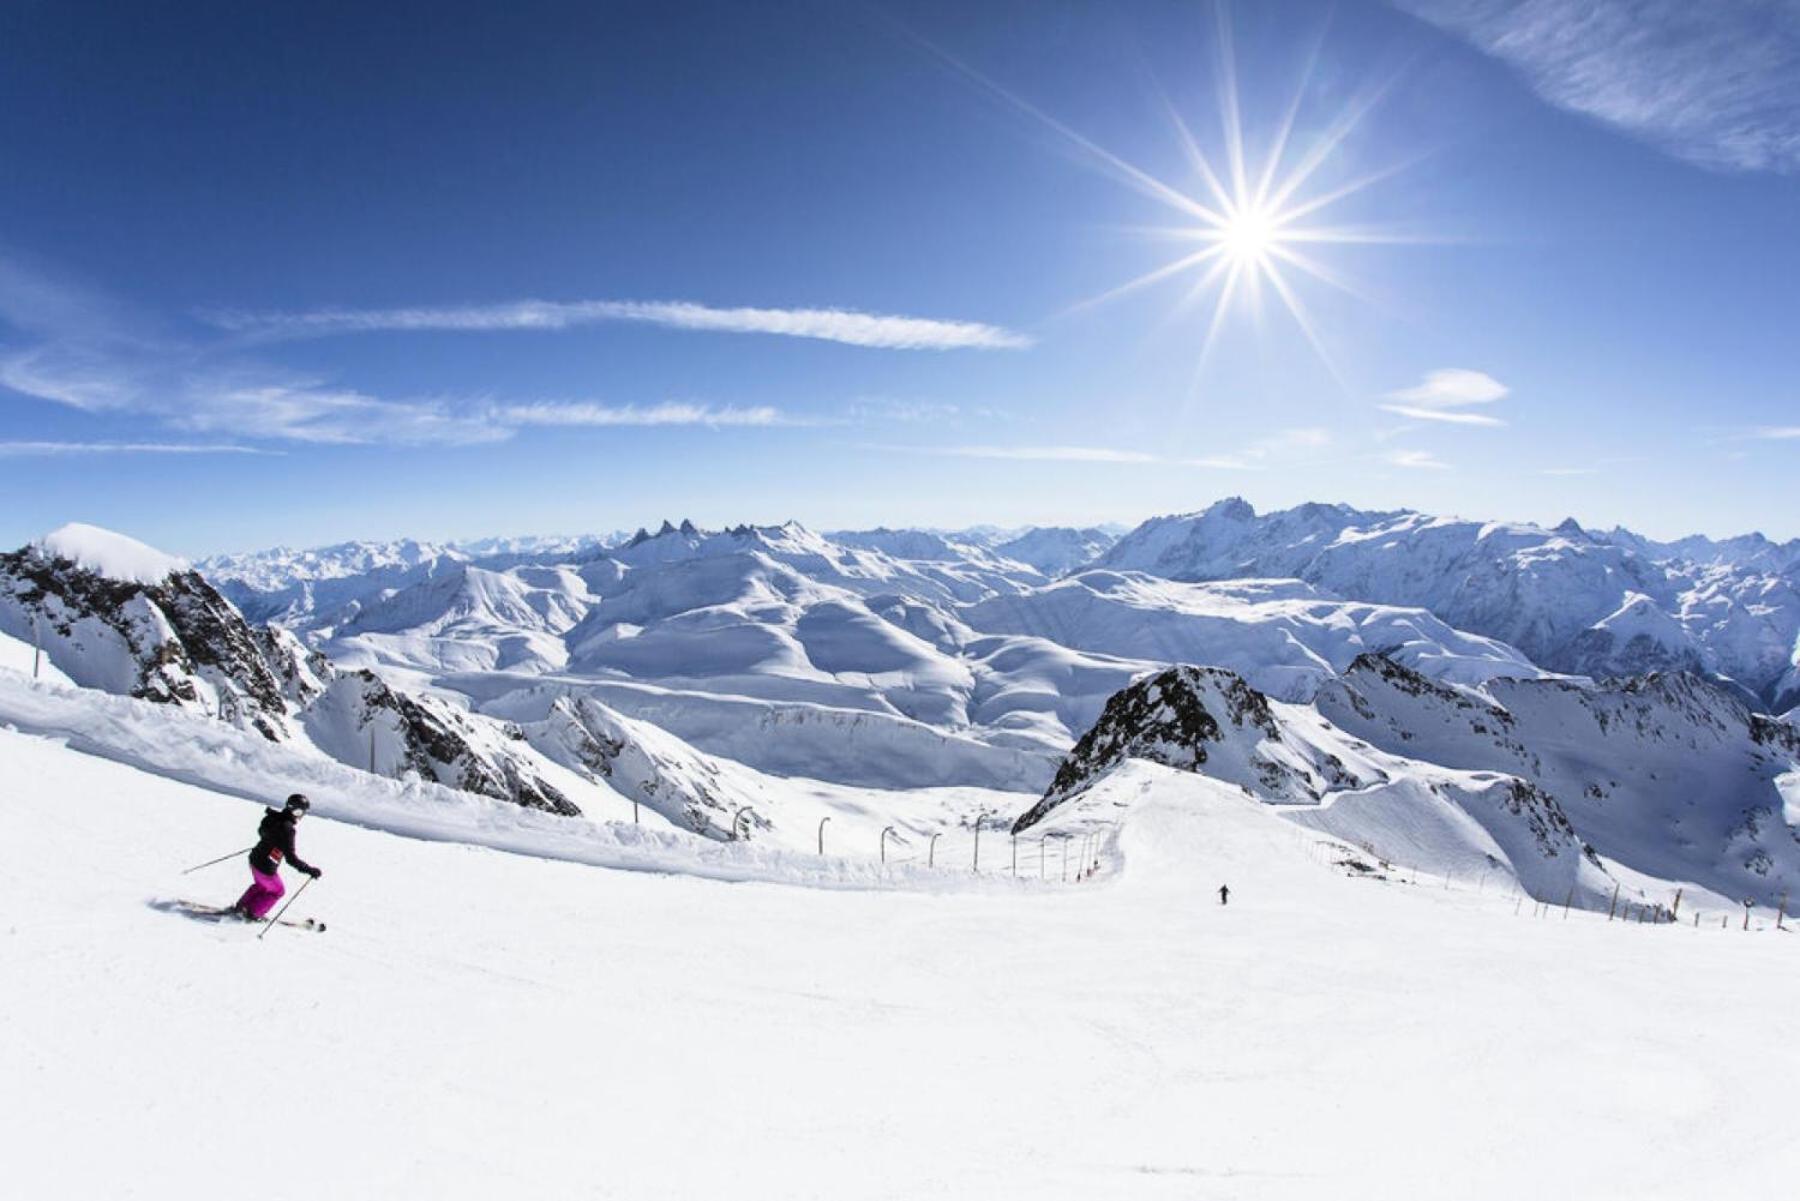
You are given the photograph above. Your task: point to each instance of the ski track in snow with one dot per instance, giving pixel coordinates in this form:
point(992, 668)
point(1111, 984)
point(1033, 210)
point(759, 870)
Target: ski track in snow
point(477, 1024)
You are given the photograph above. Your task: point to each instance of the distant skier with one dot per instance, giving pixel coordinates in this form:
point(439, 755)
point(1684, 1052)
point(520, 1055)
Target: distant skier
point(274, 843)
point(1224, 893)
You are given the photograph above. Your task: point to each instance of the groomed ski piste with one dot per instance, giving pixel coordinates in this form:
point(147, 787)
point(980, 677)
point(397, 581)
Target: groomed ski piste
point(497, 1009)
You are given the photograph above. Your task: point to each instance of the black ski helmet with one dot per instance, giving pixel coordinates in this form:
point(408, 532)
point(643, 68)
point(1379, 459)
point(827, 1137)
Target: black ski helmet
point(298, 803)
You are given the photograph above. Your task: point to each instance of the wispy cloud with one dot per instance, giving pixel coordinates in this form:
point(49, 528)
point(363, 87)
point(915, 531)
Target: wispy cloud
point(1415, 460)
point(1444, 415)
point(848, 326)
point(61, 449)
point(1451, 387)
point(1045, 454)
point(1777, 433)
point(85, 353)
point(585, 414)
point(1714, 82)
point(1443, 394)
point(1254, 457)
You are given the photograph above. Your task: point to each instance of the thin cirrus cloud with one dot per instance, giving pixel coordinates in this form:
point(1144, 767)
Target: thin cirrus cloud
point(64, 449)
point(1713, 82)
point(247, 400)
point(1046, 454)
point(1254, 457)
point(1445, 394)
point(846, 326)
point(85, 352)
point(588, 414)
point(1415, 460)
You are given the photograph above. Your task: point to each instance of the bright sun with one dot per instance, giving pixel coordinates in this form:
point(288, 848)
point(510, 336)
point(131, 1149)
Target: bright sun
point(1248, 225)
point(1247, 236)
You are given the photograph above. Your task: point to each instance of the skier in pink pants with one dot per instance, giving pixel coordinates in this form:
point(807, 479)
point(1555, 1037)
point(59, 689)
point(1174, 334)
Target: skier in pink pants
point(274, 843)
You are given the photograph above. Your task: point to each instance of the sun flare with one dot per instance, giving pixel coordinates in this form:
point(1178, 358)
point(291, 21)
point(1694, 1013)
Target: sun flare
point(1247, 236)
point(1252, 216)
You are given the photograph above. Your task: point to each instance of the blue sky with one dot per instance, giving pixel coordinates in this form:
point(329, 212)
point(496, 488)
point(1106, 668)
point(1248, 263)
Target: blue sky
point(299, 274)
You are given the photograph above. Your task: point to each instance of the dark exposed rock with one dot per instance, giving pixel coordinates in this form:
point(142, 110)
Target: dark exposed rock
point(171, 635)
point(438, 743)
point(1177, 717)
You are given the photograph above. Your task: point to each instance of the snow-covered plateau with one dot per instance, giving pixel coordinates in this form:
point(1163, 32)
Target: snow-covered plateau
point(760, 862)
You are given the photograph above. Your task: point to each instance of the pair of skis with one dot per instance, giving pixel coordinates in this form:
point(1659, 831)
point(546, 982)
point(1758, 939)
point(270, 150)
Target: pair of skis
point(225, 913)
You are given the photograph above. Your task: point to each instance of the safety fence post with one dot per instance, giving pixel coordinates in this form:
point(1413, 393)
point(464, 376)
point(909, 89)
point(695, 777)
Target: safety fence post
point(931, 852)
point(884, 837)
point(822, 822)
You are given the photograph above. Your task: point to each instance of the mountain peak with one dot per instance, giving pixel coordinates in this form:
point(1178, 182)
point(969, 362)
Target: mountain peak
point(110, 554)
point(1232, 508)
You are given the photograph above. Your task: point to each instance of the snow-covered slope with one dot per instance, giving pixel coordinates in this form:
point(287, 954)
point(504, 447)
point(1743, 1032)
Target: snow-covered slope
point(1210, 722)
point(1057, 550)
point(176, 642)
point(1732, 611)
point(167, 637)
point(476, 1024)
point(1668, 774)
point(1285, 636)
point(799, 654)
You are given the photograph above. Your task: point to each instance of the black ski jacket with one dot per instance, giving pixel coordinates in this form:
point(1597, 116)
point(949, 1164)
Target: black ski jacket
point(275, 842)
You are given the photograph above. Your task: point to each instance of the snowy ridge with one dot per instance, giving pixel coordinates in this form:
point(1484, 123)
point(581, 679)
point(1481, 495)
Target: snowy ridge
point(1731, 608)
point(1668, 774)
point(849, 651)
point(1210, 722)
point(1571, 789)
point(177, 642)
point(1285, 636)
point(111, 555)
point(232, 762)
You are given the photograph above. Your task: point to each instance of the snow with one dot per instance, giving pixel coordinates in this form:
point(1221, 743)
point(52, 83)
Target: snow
point(782, 814)
point(112, 555)
point(477, 1024)
point(19, 656)
point(1731, 608)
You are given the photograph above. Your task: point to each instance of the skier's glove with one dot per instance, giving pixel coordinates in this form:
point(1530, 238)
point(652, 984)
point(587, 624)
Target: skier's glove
point(317, 872)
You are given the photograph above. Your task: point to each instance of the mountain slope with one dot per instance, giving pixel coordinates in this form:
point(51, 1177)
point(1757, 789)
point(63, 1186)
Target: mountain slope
point(1282, 635)
point(1561, 596)
point(1667, 774)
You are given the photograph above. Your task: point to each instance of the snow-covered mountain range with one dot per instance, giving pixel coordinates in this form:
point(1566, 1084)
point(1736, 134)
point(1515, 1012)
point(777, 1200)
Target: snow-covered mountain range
point(1574, 600)
point(1429, 688)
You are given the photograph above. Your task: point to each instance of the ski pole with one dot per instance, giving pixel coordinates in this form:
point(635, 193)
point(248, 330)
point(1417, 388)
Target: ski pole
point(284, 908)
point(220, 859)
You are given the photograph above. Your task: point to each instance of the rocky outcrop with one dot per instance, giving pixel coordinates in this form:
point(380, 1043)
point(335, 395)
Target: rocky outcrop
point(362, 721)
point(1201, 719)
point(175, 641)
